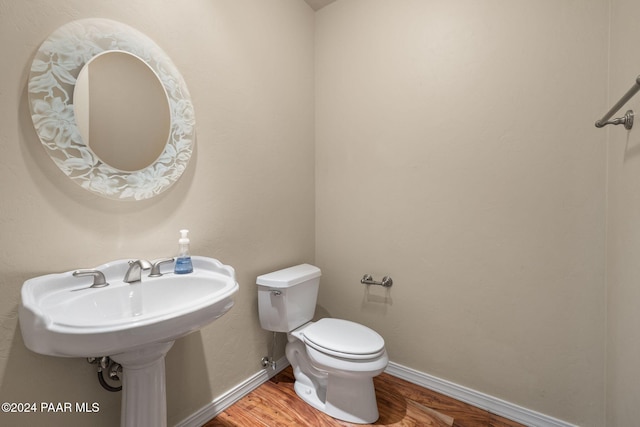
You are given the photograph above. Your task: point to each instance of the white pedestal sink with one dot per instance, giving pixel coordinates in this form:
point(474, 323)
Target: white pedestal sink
point(135, 324)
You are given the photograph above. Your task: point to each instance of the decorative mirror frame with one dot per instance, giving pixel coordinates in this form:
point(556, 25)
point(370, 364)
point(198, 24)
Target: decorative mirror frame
point(51, 84)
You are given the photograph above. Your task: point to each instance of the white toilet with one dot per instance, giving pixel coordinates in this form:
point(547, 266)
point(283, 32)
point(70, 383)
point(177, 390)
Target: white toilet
point(333, 360)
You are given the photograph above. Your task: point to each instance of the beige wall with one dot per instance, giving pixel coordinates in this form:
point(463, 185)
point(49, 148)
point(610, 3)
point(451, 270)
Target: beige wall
point(623, 229)
point(455, 151)
point(247, 195)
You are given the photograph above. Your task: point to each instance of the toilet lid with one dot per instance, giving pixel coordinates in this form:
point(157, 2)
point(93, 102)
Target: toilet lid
point(344, 338)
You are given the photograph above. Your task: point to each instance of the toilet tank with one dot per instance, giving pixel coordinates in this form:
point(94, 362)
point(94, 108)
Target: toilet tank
point(287, 298)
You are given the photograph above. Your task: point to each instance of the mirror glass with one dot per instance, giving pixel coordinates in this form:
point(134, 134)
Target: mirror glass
point(111, 109)
point(121, 110)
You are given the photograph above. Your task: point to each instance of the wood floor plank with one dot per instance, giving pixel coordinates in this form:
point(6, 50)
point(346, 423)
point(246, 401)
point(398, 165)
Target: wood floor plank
point(498, 421)
point(464, 415)
point(443, 420)
point(400, 403)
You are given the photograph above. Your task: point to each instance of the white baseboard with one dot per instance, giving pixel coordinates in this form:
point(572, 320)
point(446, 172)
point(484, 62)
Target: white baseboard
point(220, 403)
point(479, 400)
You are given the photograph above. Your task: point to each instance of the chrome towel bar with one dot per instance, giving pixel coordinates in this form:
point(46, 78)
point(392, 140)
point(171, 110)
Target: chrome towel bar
point(627, 119)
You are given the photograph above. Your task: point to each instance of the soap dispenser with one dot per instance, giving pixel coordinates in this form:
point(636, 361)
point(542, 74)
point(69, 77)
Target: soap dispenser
point(183, 260)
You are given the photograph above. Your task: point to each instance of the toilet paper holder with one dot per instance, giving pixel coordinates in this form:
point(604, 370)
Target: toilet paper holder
point(387, 281)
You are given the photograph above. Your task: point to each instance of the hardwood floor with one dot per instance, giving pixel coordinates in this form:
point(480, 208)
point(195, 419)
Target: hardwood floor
point(400, 403)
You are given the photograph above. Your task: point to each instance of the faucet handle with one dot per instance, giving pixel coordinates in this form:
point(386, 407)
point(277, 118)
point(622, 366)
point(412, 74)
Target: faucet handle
point(98, 277)
point(155, 266)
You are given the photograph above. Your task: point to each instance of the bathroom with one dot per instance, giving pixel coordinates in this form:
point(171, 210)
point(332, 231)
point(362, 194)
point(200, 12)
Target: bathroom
point(450, 145)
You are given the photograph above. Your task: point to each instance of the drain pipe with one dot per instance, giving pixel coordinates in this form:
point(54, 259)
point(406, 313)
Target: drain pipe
point(115, 371)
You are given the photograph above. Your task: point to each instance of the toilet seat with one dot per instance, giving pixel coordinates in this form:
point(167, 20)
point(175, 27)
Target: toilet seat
point(343, 338)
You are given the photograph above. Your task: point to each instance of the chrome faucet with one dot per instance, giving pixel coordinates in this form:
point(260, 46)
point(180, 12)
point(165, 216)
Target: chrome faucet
point(135, 270)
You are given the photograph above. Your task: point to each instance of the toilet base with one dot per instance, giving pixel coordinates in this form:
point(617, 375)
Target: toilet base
point(341, 389)
point(342, 401)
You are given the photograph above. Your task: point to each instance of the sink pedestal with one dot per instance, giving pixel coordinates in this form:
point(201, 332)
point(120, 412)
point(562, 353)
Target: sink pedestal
point(144, 394)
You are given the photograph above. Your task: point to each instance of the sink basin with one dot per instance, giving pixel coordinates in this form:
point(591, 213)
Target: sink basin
point(61, 316)
point(134, 323)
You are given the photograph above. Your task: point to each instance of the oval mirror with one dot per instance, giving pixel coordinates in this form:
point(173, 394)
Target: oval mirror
point(124, 157)
point(121, 110)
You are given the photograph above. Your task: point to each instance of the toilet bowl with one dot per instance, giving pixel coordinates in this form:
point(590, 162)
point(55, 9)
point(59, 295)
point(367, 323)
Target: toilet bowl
point(333, 360)
point(337, 376)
